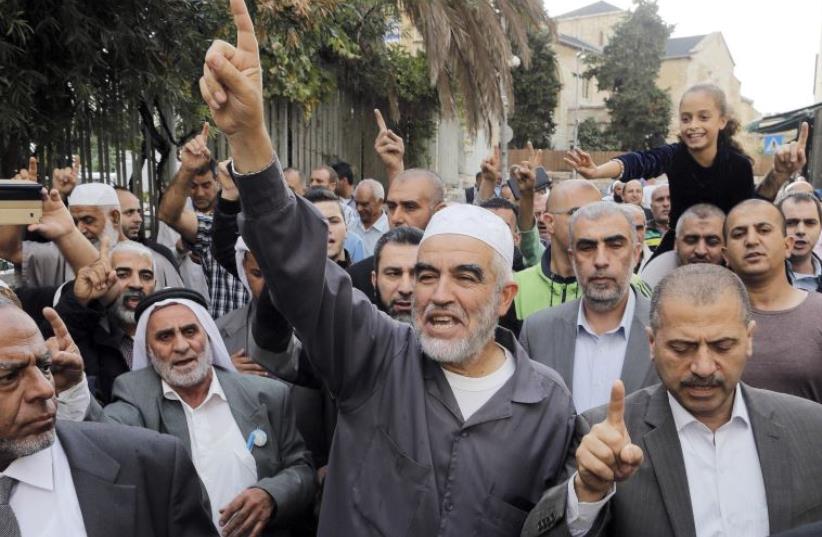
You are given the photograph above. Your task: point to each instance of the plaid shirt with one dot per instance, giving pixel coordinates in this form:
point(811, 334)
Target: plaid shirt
point(227, 292)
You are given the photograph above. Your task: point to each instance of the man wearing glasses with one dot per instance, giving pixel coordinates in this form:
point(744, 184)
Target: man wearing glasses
point(552, 281)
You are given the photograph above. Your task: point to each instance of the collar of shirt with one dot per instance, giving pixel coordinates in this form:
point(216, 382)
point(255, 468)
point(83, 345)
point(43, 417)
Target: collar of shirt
point(624, 324)
point(381, 225)
point(36, 469)
point(817, 270)
point(214, 390)
point(683, 418)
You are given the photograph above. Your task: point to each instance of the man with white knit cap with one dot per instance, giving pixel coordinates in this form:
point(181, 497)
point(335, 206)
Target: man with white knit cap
point(445, 428)
point(239, 429)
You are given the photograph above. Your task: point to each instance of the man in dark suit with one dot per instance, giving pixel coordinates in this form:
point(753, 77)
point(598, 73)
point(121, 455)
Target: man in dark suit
point(601, 337)
point(701, 454)
point(81, 479)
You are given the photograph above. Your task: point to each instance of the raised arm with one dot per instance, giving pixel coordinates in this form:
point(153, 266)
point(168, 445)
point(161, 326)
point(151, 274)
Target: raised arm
point(343, 332)
point(58, 225)
point(194, 155)
point(635, 165)
point(489, 177)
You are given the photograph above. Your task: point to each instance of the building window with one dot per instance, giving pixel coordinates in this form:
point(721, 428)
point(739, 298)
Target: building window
point(586, 88)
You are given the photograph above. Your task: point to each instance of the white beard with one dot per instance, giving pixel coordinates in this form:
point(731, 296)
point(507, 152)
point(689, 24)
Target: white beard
point(184, 380)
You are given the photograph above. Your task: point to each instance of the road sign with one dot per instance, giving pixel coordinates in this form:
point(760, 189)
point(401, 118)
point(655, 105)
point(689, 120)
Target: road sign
point(772, 142)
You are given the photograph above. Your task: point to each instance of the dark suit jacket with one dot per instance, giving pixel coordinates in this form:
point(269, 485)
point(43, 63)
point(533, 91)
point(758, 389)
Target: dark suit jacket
point(550, 337)
point(656, 501)
point(283, 465)
point(134, 483)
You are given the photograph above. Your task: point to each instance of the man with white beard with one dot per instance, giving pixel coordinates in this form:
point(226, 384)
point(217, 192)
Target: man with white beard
point(99, 306)
point(239, 429)
point(444, 428)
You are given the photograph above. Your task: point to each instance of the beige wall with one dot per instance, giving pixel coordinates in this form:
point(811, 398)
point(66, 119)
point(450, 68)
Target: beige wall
point(569, 102)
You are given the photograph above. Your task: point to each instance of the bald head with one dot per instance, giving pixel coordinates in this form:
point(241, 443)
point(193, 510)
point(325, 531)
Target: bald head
point(633, 192)
point(576, 192)
point(765, 211)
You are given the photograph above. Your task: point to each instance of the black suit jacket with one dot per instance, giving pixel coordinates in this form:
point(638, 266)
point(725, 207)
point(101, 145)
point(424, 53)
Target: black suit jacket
point(132, 482)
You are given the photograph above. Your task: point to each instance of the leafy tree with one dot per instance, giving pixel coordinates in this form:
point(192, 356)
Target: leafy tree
point(536, 91)
point(627, 69)
point(594, 137)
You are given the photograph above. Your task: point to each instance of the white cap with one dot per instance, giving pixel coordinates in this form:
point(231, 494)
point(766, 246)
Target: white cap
point(475, 222)
point(94, 194)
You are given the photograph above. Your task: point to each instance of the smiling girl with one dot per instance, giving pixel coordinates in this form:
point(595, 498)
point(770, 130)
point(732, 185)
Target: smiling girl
point(706, 166)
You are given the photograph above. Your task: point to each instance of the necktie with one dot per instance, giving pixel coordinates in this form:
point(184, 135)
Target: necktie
point(8, 522)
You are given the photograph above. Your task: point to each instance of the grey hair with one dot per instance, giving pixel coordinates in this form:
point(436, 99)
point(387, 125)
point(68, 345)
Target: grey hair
point(432, 177)
point(699, 284)
point(602, 209)
point(134, 248)
point(703, 211)
point(503, 270)
point(377, 190)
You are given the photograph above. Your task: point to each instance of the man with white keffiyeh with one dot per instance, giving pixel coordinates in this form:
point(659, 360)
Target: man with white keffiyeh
point(239, 429)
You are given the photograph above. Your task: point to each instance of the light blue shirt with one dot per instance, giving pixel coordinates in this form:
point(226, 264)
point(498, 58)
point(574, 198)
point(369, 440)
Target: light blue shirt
point(371, 235)
point(808, 282)
point(598, 359)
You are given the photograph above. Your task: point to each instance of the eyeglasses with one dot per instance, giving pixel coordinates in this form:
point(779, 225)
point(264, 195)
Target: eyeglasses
point(566, 212)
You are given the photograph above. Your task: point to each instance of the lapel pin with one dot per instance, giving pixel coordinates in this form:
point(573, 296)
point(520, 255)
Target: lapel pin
point(256, 438)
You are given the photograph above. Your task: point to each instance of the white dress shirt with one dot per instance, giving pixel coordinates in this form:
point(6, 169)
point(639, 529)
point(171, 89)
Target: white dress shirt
point(371, 235)
point(218, 448)
point(598, 359)
point(724, 478)
point(472, 393)
point(44, 500)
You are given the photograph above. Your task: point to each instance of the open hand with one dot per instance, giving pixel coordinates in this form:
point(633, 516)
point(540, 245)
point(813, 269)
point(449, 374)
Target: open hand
point(581, 162)
point(606, 454)
point(245, 364)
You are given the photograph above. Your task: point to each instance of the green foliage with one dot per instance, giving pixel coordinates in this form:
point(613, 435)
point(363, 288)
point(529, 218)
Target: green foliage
point(593, 137)
point(536, 91)
point(628, 68)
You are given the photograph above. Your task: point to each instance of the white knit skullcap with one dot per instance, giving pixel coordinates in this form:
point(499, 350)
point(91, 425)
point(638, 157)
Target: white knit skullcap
point(475, 222)
point(94, 194)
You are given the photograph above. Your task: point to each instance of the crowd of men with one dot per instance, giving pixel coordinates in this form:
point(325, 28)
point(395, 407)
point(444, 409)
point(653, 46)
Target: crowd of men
point(313, 355)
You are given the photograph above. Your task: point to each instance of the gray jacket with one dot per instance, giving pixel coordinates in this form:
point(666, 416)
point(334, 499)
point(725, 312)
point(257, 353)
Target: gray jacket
point(655, 501)
point(403, 461)
point(549, 336)
point(134, 483)
point(283, 464)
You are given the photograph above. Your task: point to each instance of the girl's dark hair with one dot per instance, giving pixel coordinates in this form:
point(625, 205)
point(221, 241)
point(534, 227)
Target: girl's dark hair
point(726, 135)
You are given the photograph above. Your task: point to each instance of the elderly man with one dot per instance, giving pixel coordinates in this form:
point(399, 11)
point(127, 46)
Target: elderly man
point(552, 281)
point(239, 429)
point(702, 454)
point(81, 479)
point(372, 222)
point(641, 226)
point(661, 210)
point(599, 338)
point(99, 309)
point(787, 340)
point(452, 426)
point(698, 239)
point(197, 178)
point(803, 215)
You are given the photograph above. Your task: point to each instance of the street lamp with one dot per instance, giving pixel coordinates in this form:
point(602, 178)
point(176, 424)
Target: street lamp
point(580, 56)
point(505, 129)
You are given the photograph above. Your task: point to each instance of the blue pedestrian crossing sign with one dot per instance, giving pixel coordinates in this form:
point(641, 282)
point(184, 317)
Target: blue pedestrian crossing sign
point(771, 143)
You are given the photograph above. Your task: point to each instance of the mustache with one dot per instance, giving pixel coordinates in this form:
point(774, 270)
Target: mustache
point(452, 310)
point(698, 382)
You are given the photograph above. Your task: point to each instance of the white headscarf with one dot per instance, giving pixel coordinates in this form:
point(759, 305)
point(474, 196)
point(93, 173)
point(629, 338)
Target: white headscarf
point(240, 249)
point(220, 353)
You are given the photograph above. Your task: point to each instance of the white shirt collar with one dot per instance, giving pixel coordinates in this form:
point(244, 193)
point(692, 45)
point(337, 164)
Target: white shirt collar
point(214, 390)
point(380, 225)
point(683, 418)
point(36, 469)
point(624, 324)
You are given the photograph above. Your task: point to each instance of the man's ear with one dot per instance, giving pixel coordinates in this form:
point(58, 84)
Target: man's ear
point(114, 215)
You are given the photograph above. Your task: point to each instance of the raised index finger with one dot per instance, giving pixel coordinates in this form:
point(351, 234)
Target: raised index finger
point(204, 132)
point(616, 406)
point(380, 121)
point(57, 324)
point(33, 168)
point(246, 40)
point(802, 141)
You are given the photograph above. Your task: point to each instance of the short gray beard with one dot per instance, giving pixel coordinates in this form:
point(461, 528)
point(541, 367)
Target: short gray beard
point(110, 232)
point(187, 380)
point(605, 300)
point(465, 350)
point(404, 317)
point(121, 313)
point(14, 448)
